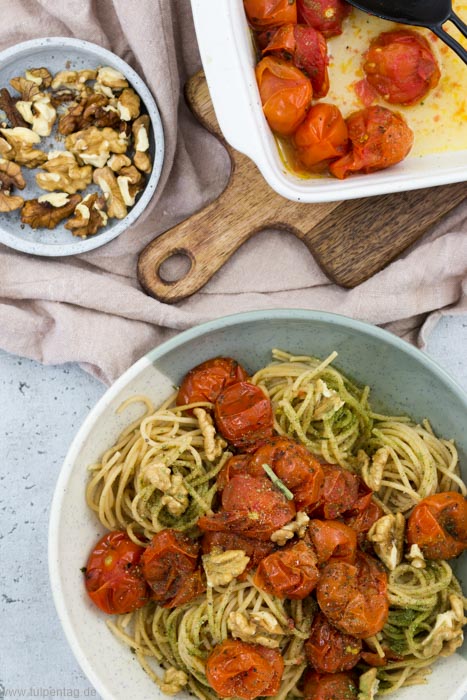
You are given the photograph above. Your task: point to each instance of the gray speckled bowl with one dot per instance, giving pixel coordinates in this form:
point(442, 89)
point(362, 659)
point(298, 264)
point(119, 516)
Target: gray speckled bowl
point(402, 379)
point(60, 53)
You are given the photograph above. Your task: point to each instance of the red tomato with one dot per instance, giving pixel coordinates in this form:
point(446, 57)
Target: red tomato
point(243, 415)
point(332, 539)
point(170, 566)
point(339, 493)
point(113, 575)
point(365, 92)
point(354, 596)
point(307, 49)
point(270, 13)
point(330, 651)
point(206, 381)
point(321, 137)
point(252, 507)
point(238, 464)
point(242, 670)
point(373, 659)
point(364, 512)
point(285, 93)
point(379, 138)
point(438, 524)
point(289, 573)
point(325, 15)
point(334, 686)
point(295, 467)
point(400, 65)
point(255, 549)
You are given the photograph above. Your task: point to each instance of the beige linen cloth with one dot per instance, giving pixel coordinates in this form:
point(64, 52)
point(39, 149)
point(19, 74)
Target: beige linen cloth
point(90, 308)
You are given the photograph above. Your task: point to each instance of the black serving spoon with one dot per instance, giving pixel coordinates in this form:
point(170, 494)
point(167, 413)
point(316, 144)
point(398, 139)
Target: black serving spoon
point(431, 14)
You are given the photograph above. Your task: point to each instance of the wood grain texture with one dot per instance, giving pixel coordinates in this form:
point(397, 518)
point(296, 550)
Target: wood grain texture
point(350, 240)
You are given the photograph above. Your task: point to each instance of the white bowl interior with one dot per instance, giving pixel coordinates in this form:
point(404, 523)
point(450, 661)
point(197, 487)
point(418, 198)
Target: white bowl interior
point(401, 379)
point(72, 54)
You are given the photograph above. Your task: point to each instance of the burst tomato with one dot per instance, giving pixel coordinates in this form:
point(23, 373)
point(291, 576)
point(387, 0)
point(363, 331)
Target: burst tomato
point(401, 67)
point(332, 539)
point(295, 467)
point(206, 381)
point(242, 670)
point(338, 494)
point(243, 415)
point(325, 15)
point(289, 573)
point(438, 524)
point(256, 550)
point(330, 651)
point(307, 49)
point(170, 566)
point(263, 14)
point(379, 138)
point(364, 512)
point(354, 596)
point(334, 686)
point(252, 507)
point(285, 93)
point(113, 575)
point(321, 137)
point(237, 464)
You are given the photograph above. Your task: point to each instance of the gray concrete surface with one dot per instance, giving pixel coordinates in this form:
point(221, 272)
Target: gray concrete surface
point(41, 409)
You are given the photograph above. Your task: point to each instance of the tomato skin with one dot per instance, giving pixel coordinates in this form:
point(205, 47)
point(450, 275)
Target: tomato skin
point(365, 92)
point(354, 596)
point(252, 507)
point(243, 415)
point(321, 137)
point(332, 539)
point(237, 464)
point(379, 138)
point(331, 651)
point(307, 49)
point(113, 577)
point(238, 669)
point(206, 381)
point(253, 548)
point(263, 14)
point(170, 566)
point(295, 467)
point(438, 524)
point(289, 573)
point(364, 512)
point(285, 93)
point(339, 493)
point(335, 686)
point(401, 67)
point(325, 15)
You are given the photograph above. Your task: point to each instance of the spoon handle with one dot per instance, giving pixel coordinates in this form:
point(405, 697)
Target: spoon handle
point(455, 19)
point(448, 39)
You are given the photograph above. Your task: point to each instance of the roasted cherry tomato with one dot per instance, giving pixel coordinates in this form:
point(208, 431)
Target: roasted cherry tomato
point(263, 14)
point(307, 49)
point(256, 550)
point(170, 566)
point(206, 381)
point(354, 596)
point(113, 575)
point(379, 138)
point(237, 464)
point(289, 573)
point(364, 512)
point(401, 66)
point(365, 92)
point(243, 415)
point(438, 524)
point(325, 15)
point(252, 507)
point(321, 137)
point(328, 650)
point(332, 539)
point(295, 467)
point(338, 494)
point(242, 670)
point(285, 93)
point(334, 686)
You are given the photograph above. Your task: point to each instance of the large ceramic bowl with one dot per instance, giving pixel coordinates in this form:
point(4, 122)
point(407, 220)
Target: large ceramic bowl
point(402, 380)
point(60, 53)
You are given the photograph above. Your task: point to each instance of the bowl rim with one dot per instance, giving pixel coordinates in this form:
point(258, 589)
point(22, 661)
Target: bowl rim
point(92, 242)
point(148, 359)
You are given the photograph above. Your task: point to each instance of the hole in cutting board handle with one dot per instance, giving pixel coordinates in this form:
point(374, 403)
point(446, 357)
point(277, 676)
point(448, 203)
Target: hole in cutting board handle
point(175, 267)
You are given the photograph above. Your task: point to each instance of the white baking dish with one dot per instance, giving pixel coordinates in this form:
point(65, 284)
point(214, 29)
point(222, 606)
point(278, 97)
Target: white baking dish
point(228, 60)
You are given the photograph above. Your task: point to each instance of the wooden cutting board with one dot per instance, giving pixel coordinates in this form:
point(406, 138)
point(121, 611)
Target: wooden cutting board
point(350, 240)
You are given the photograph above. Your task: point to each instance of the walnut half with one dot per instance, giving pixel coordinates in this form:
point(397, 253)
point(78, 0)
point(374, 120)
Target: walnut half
point(10, 176)
point(89, 216)
point(49, 210)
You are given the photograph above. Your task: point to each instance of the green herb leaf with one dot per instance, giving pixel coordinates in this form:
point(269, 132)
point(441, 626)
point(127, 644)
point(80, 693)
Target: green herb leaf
point(277, 482)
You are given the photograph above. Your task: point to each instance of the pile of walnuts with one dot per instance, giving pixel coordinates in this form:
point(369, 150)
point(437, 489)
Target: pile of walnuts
point(106, 140)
